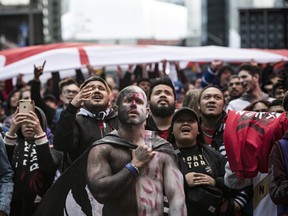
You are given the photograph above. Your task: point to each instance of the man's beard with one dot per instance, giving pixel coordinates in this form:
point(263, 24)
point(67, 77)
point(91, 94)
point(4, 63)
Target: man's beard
point(95, 108)
point(162, 111)
point(235, 95)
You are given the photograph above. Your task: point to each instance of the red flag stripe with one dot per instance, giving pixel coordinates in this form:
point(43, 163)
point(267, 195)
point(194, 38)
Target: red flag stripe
point(17, 54)
point(83, 56)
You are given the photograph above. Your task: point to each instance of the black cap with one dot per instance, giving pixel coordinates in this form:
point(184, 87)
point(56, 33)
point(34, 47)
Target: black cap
point(189, 111)
point(185, 110)
point(96, 78)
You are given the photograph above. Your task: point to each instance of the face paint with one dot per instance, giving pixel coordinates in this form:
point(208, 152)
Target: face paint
point(132, 106)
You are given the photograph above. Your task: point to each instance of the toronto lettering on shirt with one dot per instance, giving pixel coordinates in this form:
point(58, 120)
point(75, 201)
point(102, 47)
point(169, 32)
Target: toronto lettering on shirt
point(29, 160)
point(197, 161)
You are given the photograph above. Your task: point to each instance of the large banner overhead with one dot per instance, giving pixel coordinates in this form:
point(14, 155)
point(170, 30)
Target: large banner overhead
point(64, 56)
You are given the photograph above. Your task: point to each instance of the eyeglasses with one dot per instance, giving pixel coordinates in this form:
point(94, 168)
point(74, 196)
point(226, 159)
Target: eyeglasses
point(70, 92)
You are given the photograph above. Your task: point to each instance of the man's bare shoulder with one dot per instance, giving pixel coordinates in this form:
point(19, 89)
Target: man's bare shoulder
point(101, 152)
point(106, 149)
point(103, 148)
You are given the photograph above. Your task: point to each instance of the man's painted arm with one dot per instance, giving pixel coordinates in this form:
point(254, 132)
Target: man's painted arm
point(101, 181)
point(174, 187)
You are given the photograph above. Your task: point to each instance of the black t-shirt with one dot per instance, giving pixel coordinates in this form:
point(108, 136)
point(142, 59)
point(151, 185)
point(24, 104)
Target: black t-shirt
point(194, 160)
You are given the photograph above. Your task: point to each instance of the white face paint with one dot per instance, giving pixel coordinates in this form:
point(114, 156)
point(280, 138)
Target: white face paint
point(133, 109)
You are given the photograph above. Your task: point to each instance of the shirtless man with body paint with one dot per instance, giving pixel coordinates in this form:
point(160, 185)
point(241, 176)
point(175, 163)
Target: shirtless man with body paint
point(131, 181)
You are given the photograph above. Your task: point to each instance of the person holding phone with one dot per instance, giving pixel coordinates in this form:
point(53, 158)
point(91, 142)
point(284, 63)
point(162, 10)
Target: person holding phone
point(33, 161)
point(25, 106)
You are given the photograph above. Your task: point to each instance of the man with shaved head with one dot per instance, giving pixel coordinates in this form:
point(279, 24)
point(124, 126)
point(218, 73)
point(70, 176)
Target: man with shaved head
point(129, 169)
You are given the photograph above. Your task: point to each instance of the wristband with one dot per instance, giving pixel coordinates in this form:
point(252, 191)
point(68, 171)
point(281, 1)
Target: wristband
point(41, 136)
point(134, 170)
point(12, 137)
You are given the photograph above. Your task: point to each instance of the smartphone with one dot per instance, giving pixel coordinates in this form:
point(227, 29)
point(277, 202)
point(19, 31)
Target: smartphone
point(26, 105)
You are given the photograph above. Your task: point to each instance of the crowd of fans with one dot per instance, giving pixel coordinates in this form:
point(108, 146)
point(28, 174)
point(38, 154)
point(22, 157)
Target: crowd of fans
point(189, 111)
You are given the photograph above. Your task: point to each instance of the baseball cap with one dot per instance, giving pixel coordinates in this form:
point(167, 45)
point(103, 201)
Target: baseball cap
point(96, 78)
point(185, 110)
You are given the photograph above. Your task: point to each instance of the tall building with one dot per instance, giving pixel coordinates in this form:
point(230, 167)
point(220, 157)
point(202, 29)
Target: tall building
point(21, 24)
point(52, 20)
point(195, 19)
point(30, 22)
point(220, 20)
point(264, 28)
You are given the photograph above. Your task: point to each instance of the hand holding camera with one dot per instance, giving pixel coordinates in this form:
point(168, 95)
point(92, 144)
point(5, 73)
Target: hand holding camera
point(25, 116)
point(33, 122)
point(17, 120)
point(25, 106)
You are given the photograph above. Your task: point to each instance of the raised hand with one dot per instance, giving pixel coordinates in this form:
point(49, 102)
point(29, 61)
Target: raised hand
point(82, 96)
point(130, 67)
point(38, 71)
point(17, 120)
point(33, 122)
point(91, 71)
point(119, 72)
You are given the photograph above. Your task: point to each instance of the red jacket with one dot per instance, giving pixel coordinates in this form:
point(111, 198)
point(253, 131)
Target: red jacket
point(249, 138)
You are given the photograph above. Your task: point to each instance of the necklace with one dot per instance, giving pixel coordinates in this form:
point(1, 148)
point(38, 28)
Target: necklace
point(206, 133)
